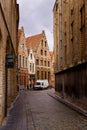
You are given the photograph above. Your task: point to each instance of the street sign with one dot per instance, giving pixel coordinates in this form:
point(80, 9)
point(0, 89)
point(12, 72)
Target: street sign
point(9, 61)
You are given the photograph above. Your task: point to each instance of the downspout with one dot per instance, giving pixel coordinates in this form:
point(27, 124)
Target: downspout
point(60, 34)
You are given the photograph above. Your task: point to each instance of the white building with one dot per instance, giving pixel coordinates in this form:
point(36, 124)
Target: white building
point(31, 66)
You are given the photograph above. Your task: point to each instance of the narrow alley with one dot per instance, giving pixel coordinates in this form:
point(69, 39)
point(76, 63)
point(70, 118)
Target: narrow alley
point(36, 110)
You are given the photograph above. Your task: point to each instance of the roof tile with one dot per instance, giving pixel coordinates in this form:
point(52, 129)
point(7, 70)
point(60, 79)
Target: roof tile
point(34, 41)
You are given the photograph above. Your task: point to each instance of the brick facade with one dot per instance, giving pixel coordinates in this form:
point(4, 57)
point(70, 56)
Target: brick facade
point(42, 55)
point(70, 46)
point(23, 76)
point(8, 45)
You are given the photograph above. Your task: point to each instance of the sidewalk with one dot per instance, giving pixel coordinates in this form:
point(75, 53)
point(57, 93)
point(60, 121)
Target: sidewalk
point(69, 104)
point(16, 117)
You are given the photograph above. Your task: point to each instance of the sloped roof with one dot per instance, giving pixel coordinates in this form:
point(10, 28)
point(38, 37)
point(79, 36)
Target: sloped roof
point(34, 41)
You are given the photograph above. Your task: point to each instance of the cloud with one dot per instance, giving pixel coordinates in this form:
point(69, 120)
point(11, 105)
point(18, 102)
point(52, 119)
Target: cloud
point(37, 15)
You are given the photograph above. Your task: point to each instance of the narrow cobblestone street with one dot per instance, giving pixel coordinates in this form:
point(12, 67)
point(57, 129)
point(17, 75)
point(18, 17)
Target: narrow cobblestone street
point(36, 110)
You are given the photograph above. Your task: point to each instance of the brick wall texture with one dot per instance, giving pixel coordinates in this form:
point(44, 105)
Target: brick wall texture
point(70, 46)
point(8, 45)
point(23, 76)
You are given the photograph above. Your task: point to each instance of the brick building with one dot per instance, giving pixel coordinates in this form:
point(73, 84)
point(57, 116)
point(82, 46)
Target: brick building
point(9, 17)
point(52, 76)
point(23, 76)
point(70, 49)
point(42, 55)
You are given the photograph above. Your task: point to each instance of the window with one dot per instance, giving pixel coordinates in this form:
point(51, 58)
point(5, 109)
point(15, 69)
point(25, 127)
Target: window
point(42, 43)
point(48, 75)
point(42, 74)
point(41, 62)
point(33, 67)
point(37, 74)
point(48, 64)
point(45, 43)
point(26, 62)
point(72, 26)
point(37, 62)
point(72, 11)
point(45, 53)
point(23, 61)
point(31, 55)
point(23, 47)
point(61, 44)
point(45, 63)
point(41, 52)
point(30, 66)
point(20, 61)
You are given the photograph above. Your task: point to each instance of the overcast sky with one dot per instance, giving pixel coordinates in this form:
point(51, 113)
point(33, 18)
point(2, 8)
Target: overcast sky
point(35, 16)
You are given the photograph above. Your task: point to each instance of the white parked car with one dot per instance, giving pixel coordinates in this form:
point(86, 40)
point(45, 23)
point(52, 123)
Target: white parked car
point(41, 84)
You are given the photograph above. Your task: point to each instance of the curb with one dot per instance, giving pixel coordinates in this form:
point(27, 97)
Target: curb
point(72, 106)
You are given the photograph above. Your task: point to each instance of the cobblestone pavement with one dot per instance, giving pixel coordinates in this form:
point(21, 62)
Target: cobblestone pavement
point(36, 110)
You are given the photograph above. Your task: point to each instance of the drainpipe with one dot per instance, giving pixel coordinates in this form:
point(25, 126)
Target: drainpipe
point(60, 34)
point(61, 47)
